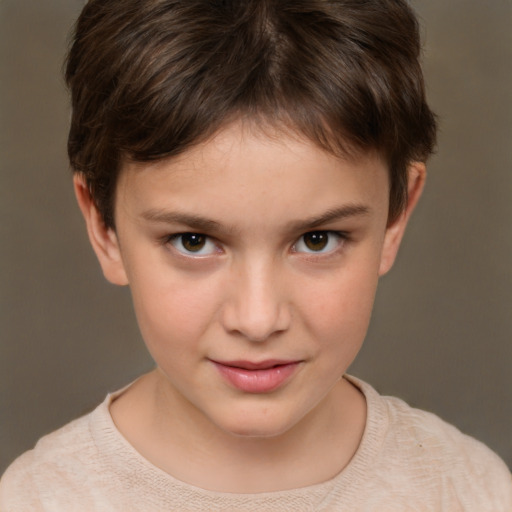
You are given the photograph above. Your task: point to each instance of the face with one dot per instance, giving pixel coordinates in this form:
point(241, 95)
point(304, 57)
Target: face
point(253, 263)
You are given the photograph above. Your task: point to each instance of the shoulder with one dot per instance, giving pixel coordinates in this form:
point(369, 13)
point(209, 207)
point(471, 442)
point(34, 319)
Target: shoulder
point(434, 457)
point(63, 459)
point(432, 438)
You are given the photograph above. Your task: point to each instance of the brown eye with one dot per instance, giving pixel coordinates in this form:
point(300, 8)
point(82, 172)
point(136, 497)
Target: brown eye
point(319, 242)
point(193, 244)
point(316, 241)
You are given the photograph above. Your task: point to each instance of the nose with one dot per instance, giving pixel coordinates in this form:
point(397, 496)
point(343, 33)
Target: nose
point(257, 306)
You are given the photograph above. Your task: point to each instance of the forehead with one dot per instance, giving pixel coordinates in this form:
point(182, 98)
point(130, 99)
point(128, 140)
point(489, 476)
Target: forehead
point(246, 171)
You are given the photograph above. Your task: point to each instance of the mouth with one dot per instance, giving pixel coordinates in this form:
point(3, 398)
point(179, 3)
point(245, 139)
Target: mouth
point(257, 377)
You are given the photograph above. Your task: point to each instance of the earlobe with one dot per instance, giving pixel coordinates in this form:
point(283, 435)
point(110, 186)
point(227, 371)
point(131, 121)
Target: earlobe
point(395, 231)
point(103, 240)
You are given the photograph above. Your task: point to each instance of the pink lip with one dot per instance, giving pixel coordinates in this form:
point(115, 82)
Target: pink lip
point(260, 377)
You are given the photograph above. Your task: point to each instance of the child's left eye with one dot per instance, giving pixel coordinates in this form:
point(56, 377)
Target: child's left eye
point(319, 242)
point(193, 244)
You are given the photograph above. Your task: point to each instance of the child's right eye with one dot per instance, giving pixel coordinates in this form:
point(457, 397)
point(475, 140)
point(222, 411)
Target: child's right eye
point(193, 244)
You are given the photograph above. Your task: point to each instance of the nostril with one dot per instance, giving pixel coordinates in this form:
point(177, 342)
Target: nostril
point(255, 308)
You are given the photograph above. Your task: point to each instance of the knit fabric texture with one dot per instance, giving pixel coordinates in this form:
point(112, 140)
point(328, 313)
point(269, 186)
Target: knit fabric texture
point(408, 460)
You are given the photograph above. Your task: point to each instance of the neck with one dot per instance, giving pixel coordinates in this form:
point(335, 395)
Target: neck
point(195, 451)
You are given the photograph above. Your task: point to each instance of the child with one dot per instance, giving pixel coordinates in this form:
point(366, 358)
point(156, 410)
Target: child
point(248, 167)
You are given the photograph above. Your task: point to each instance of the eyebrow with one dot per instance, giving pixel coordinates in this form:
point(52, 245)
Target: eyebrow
point(332, 215)
point(206, 225)
point(195, 222)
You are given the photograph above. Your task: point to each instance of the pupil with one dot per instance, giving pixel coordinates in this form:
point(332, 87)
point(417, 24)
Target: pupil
point(193, 242)
point(316, 241)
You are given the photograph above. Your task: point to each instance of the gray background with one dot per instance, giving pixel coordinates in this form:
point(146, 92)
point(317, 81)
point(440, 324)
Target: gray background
point(441, 333)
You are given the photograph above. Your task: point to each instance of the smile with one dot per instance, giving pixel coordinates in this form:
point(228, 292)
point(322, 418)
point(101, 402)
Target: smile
point(262, 377)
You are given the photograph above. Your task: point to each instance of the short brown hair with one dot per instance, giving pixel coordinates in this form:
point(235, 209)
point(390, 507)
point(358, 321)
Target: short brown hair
point(151, 78)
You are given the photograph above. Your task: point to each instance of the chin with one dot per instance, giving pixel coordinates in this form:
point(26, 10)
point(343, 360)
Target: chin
point(256, 424)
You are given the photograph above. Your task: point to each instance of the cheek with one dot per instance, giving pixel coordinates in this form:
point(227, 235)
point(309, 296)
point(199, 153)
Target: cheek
point(173, 310)
point(340, 309)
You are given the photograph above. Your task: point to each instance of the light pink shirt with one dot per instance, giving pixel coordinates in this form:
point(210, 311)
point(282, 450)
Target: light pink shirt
point(408, 460)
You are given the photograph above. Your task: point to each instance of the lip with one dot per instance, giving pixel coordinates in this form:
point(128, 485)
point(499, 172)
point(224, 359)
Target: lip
point(257, 377)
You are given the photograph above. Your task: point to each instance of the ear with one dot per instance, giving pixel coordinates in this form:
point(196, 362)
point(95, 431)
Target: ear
point(103, 240)
point(416, 175)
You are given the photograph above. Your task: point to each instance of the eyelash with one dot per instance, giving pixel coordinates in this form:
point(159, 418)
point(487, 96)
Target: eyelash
point(178, 238)
point(341, 236)
point(208, 242)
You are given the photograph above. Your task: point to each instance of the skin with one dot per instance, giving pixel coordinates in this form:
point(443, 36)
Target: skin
point(256, 290)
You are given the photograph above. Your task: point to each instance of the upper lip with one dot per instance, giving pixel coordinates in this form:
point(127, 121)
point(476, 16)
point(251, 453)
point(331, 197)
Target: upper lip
point(260, 365)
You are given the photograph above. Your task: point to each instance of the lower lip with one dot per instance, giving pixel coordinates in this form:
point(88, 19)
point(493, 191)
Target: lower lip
point(257, 381)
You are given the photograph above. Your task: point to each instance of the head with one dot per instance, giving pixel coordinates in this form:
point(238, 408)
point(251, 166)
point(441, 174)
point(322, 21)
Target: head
point(158, 77)
point(248, 168)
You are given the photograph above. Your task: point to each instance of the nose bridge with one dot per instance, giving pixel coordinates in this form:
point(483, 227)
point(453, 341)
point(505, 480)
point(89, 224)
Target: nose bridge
point(257, 307)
